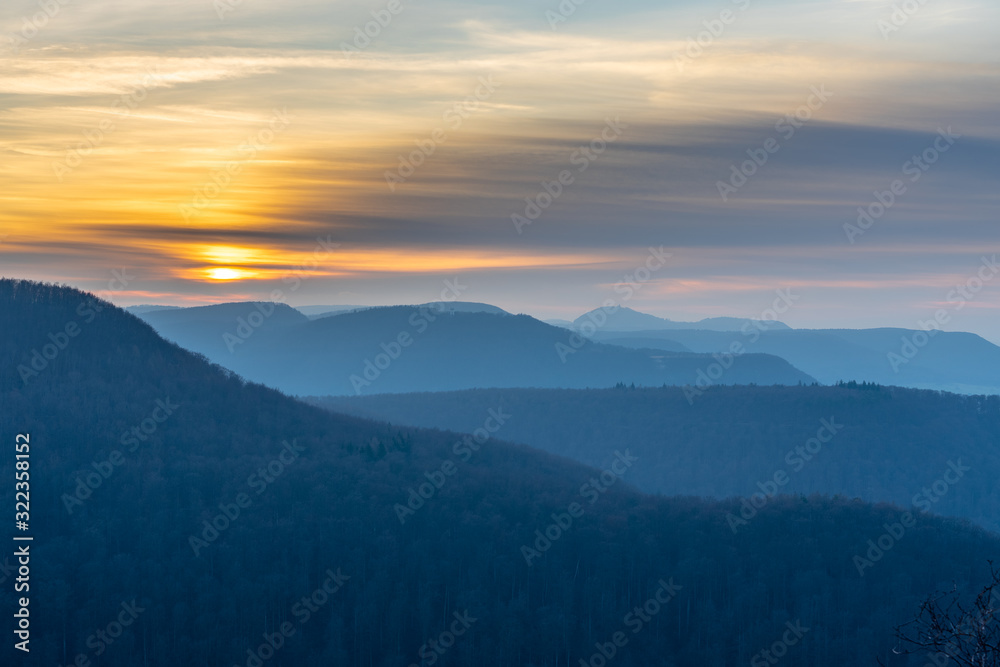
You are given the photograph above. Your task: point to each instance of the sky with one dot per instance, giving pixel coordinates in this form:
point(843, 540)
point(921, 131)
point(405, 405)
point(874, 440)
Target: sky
point(537, 155)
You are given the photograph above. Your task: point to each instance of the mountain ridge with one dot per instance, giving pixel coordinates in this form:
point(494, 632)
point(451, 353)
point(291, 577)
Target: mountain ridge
point(178, 529)
point(410, 348)
point(622, 318)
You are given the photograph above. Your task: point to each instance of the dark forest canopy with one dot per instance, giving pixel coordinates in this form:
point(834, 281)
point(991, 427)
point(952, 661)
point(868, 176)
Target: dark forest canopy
point(321, 553)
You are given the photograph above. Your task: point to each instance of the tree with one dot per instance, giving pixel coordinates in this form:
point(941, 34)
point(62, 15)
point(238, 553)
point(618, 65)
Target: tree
point(950, 628)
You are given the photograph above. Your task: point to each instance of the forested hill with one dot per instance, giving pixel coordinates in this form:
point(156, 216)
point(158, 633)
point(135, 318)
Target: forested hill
point(229, 519)
point(894, 446)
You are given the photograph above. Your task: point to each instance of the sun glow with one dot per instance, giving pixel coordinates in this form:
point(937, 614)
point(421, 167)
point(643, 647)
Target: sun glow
point(229, 254)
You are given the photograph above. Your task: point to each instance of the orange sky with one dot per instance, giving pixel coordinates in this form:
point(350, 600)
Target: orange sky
point(208, 153)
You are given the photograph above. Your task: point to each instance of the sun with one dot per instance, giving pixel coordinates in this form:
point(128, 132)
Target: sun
point(224, 273)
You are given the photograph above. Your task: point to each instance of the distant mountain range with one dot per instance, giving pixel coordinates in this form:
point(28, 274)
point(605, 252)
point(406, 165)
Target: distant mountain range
point(148, 308)
point(626, 319)
point(316, 312)
point(466, 349)
point(431, 347)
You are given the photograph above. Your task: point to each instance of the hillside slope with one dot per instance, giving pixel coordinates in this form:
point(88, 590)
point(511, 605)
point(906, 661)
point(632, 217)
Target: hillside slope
point(893, 446)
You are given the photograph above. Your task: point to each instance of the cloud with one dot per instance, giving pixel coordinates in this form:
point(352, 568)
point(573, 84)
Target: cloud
point(216, 82)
